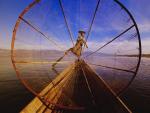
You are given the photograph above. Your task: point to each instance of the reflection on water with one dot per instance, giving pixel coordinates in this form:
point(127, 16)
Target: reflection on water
point(14, 96)
point(138, 94)
point(115, 70)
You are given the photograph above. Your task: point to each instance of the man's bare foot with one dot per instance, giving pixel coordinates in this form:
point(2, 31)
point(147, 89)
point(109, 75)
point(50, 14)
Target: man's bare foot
point(66, 53)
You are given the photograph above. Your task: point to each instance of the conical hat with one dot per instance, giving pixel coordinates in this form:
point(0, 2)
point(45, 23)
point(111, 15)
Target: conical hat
point(81, 31)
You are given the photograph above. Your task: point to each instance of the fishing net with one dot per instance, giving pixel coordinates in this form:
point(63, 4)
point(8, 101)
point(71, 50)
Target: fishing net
point(47, 28)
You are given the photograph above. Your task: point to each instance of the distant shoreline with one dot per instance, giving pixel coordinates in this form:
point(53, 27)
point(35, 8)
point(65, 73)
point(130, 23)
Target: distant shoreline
point(143, 55)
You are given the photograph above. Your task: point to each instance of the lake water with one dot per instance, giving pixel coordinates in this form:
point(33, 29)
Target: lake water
point(14, 97)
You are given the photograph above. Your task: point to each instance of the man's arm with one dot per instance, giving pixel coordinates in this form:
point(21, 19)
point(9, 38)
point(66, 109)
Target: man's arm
point(85, 43)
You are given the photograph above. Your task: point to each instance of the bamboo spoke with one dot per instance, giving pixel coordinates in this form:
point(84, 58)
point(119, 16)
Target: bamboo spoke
point(40, 62)
point(114, 68)
point(46, 37)
point(110, 41)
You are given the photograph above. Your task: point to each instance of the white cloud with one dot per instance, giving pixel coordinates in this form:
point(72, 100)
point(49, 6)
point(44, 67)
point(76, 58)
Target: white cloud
point(144, 26)
point(126, 47)
point(146, 46)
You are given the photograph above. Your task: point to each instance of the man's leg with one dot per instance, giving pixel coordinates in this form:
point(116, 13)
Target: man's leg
point(68, 51)
point(53, 65)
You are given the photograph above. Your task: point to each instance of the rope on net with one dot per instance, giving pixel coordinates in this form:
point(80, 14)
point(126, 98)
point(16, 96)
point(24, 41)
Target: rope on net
point(110, 41)
point(66, 22)
point(46, 37)
point(93, 20)
point(96, 9)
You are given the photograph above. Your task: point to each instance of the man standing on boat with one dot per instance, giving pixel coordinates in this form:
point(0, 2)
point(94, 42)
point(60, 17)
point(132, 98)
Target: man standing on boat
point(77, 49)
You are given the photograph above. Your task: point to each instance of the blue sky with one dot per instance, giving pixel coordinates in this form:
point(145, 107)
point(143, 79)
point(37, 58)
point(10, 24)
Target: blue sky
point(141, 11)
point(10, 9)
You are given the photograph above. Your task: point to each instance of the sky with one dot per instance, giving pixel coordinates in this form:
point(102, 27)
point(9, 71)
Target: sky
point(141, 12)
point(10, 9)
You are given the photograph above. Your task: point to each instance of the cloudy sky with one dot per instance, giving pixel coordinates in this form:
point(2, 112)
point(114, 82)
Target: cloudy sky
point(10, 9)
point(141, 11)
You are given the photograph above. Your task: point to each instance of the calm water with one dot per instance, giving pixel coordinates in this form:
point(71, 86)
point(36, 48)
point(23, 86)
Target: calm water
point(138, 94)
point(13, 96)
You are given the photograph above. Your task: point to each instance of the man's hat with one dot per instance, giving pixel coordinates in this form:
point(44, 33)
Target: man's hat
point(81, 31)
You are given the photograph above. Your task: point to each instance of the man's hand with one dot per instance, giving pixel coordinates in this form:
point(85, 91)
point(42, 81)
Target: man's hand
point(86, 46)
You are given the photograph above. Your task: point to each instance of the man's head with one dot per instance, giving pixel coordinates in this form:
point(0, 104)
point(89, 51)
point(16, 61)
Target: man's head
point(82, 33)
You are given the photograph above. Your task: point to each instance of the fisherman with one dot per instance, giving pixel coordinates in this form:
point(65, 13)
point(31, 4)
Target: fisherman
point(77, 49)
